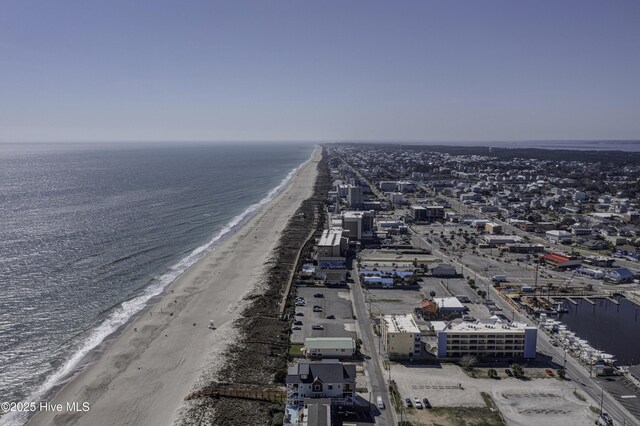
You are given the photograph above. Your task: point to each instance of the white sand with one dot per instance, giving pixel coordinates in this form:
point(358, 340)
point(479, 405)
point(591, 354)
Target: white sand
point(143, 376)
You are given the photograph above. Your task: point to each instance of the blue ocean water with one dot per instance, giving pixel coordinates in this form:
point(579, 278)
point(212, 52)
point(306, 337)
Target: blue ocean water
point(89, 233)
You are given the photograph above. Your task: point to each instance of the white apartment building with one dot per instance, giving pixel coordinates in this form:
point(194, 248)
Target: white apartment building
point(491, 338)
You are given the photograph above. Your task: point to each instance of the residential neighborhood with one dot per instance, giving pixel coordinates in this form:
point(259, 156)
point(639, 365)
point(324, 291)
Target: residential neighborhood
point(441, 284)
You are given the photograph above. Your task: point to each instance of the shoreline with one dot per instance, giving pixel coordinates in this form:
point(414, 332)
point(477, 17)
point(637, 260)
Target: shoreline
point(165, 346)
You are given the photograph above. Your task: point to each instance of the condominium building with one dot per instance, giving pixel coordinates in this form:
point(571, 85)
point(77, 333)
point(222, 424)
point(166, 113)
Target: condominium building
point(358, 224)
point(488, 338)
point(400, 336)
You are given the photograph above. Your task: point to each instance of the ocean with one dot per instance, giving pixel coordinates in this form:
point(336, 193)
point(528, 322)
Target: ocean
point(90, 232)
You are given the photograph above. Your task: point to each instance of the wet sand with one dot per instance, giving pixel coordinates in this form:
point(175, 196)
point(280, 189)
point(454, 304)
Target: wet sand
point(146, 372)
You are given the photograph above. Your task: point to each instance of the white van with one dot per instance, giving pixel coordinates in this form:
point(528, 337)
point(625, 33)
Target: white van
point(380, 403)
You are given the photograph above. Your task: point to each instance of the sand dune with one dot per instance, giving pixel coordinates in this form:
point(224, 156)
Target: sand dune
point(144, 374)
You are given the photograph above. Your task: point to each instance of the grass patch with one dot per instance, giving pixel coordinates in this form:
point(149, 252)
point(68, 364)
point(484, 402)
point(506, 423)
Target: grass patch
point(579, 396)
point(468, 416)
point(295, 349)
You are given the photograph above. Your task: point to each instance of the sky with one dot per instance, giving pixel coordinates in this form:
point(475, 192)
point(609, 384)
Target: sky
point(133, 70)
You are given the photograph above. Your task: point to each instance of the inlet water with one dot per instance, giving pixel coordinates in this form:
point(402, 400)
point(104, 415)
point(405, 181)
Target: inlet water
point(611, 328)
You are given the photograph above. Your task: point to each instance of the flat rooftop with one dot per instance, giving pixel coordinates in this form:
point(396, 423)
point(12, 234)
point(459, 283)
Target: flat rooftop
point(486, 326)
point(448, 303)
point(400, 324)
point(330, 237)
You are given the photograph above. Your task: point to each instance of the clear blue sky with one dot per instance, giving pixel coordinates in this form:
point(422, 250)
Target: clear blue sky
point(319, 70)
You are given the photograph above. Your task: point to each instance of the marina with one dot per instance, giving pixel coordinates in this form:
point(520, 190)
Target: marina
point(602, 330)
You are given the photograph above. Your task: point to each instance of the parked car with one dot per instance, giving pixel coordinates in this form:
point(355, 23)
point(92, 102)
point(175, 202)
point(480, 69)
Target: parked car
point(297, 328)
point(299, 314)
point(426, 403)
point(508, 372)
point(605, 420)
point(331, 317)
point(408, 402)
point(297, 323)
point(417, 403)
point(318, 295)
point(317, 327)
point(317, 309)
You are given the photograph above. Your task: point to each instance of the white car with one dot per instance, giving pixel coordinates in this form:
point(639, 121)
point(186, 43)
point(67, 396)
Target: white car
point(417, 403)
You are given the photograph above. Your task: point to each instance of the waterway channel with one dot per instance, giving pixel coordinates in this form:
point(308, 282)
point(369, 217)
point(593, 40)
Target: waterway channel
point(611, 328)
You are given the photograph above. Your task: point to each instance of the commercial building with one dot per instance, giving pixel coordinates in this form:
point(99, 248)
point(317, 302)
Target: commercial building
point(325, 379)
point(329, 347)
point(354, 197)
point(524, 248)
point(593, 273)
point(490, 338)
point(400, 336)
point(619, 276)
point(444, 270)
point(396, 198)
point(561, 261)
point(406, 186)
point(449, 305)
point(501, 240)
point(558, 237)
point(388, 185)
point(391, 226)
point(427, 213)
point(493, 228)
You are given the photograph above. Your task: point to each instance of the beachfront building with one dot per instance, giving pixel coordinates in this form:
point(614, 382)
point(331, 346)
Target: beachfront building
point(329, 347)
point(332, 248)
point(400, 336)
point(487, 338)
point(359, 225)
point(316, 412)
point(324, 379)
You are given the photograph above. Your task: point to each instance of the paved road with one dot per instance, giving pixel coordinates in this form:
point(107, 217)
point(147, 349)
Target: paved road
point(370, 350)
point(575, 370)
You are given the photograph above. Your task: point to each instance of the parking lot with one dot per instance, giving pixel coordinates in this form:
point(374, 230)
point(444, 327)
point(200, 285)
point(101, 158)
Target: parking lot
point(536, 401)
point(335, 302)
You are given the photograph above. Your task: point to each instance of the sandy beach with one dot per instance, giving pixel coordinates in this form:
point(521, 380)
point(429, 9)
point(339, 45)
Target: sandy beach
point(145, 373)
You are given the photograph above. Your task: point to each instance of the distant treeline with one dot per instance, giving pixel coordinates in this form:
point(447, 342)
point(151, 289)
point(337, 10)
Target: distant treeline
point(617, 157)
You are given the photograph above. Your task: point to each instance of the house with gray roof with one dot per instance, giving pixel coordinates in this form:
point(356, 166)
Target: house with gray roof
point(619, 276)
point(324, 379)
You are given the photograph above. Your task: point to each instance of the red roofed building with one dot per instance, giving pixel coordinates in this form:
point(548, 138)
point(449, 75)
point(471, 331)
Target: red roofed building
point(561, 261)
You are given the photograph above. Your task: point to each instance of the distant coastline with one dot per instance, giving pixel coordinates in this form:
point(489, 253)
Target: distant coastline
point(573, 145)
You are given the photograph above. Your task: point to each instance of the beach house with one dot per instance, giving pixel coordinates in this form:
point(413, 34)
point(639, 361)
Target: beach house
point(324, 379)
